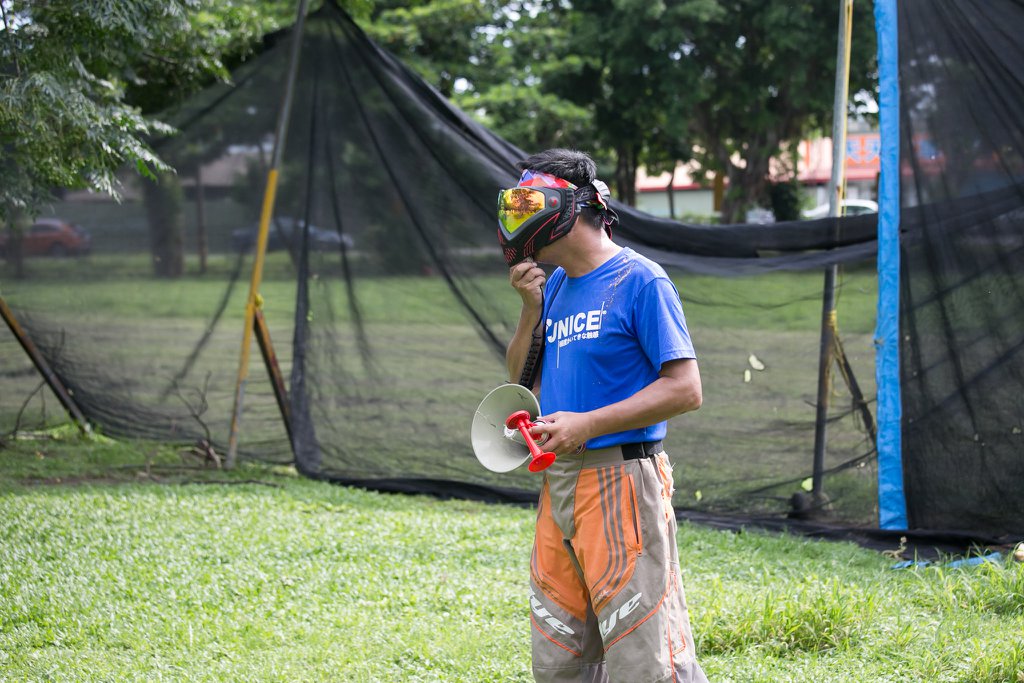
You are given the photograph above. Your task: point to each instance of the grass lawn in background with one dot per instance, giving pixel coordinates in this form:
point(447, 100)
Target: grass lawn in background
point(130, 337)
point(124, 561)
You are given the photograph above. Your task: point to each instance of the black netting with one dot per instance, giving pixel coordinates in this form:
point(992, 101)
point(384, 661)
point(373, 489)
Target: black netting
point(389, 314)
point(26, 403)
point(963, 263)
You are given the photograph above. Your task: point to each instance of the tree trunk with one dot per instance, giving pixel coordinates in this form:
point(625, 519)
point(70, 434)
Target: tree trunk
point(163, 200)
point(718, 193)
point(625, 174)
point(15, 253)
point(738, 195)
point(671, 193)
point(201, 239)
point(746, 186)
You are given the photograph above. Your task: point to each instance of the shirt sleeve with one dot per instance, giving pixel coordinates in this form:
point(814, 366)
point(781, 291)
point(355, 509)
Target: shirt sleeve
point(660, 324)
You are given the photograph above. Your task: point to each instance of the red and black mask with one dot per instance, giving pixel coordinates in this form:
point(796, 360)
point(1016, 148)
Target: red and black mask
point(543, 208)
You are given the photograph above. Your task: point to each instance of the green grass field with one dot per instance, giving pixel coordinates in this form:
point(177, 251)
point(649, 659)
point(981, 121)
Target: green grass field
point(127, 330)
point(121, 284)
point(126, 561)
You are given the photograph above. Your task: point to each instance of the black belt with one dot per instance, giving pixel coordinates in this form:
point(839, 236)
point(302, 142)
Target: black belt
point(642, 449)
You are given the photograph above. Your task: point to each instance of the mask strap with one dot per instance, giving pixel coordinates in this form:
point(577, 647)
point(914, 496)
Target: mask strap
point(597, 196)
point(532, 364)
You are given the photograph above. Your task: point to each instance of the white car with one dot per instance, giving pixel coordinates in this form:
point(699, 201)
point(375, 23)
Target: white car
point(851, 207)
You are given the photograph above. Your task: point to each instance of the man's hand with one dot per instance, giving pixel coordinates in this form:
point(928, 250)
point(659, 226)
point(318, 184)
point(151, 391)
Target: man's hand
point(567, 432)
point(528, 279)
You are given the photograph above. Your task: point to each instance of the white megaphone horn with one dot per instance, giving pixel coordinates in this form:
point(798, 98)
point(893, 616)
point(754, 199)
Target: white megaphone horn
point(500, 433)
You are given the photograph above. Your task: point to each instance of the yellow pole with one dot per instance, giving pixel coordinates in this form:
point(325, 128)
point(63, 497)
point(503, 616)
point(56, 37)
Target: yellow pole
point(255, 301)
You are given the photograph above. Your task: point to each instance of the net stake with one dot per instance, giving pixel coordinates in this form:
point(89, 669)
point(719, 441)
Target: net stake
point(51, 378)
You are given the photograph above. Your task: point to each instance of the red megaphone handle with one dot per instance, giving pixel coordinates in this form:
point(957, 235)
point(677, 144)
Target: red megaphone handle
point(540, 460)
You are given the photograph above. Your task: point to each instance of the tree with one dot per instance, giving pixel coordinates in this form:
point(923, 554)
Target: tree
point(443, 40)
point(490, 59)
point(767, 77)
point(625, 62)
point(728, 82)
point(544, 74)
point(77, 81)
point(76, 78)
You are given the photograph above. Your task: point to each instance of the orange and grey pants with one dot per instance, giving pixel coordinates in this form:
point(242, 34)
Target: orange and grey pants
point(606, 600)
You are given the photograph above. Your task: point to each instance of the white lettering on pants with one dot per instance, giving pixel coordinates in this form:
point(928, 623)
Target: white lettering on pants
point(549, 619)
point(608, 624)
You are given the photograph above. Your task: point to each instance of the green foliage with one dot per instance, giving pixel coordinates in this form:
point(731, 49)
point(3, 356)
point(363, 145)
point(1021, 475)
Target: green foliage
point(529, 118)
point(78, 79)
point(784, 198)
point(492, 59)
point(625, 60)
point(637, 82)
point(444, 40)
point(767, 77)
point(633, 82)
point(55, 134)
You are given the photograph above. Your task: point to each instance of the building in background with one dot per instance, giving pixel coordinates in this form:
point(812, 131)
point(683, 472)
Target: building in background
point(692, 199)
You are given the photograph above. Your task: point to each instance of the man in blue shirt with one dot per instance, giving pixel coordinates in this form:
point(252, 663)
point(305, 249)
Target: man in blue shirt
point(607, 601)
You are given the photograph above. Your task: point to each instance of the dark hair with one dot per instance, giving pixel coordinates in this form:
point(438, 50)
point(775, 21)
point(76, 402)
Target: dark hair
point(568, 164)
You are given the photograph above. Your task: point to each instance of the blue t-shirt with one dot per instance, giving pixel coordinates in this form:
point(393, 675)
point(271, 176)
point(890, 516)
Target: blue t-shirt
point(608, 334)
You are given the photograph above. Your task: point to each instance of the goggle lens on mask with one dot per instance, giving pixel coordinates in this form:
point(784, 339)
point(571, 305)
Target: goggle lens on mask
point(517, 205)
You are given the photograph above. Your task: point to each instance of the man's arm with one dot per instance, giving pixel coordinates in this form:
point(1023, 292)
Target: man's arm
point(528, 281)
point(519, 346)
point(677, 390)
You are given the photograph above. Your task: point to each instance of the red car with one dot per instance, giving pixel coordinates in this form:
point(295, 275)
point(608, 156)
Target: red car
point(51, 237)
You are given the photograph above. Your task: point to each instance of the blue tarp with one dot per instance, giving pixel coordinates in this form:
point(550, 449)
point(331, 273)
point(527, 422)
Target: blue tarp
point(892, 508)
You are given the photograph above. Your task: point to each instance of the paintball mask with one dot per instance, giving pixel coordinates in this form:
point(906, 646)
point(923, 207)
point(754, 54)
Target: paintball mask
point(542, 209)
